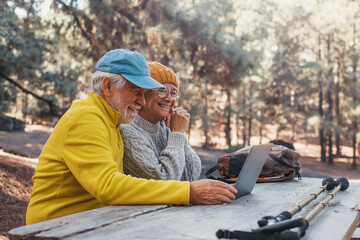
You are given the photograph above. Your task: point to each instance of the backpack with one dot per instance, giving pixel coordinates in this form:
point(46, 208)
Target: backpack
point(282, 164)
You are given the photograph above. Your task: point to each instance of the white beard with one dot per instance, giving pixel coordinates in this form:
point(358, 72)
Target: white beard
point(125, 116)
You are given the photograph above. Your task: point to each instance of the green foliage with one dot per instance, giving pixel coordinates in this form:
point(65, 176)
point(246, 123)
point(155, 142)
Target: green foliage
point(29, 57)
point(239, 62)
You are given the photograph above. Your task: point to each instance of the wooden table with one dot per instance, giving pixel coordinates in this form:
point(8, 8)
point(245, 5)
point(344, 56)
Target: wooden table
point(337, 221)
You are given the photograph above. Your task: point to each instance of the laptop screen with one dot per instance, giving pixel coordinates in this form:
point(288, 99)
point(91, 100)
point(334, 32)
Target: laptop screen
point(251, 169)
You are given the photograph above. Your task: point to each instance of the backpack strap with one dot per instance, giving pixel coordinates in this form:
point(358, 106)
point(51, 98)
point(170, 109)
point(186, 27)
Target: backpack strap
point(279, 160)
point(214, 168)
point(274, 177)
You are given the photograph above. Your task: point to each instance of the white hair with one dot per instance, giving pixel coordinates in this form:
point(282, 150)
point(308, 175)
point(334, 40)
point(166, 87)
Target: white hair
point(97, 81)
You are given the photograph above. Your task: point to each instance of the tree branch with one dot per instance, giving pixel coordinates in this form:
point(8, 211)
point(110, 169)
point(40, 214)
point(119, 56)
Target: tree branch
point(141, 5)
point(52, 105)
point(83, 32)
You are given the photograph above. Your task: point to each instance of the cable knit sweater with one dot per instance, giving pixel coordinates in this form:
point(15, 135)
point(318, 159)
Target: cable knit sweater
point(152, 151)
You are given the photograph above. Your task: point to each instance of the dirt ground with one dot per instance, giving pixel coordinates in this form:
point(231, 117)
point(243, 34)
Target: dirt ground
point(15, 190)
point(19, 152)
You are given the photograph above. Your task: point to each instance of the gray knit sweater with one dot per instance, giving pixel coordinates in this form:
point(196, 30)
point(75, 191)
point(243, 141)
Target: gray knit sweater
point(152, 151)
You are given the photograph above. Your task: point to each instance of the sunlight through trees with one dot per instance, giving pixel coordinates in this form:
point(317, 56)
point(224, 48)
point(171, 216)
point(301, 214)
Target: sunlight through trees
point(242, 64)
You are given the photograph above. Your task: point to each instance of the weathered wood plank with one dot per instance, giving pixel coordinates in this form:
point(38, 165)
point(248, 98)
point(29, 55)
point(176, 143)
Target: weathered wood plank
point(202, 222)
point(72, 224)
point(336, 221)
point(198, 223)
point(356, 234)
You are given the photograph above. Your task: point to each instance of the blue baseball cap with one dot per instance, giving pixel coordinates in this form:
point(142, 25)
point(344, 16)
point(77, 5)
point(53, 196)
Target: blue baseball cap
point(129, 64)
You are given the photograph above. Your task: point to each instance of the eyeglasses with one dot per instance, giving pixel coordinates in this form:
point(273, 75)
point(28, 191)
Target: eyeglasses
point(164, 92)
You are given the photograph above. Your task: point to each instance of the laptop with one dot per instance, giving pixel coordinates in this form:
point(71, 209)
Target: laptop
point(251, 169)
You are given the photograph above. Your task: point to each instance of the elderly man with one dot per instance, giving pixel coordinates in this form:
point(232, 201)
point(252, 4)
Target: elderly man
point(81, 165)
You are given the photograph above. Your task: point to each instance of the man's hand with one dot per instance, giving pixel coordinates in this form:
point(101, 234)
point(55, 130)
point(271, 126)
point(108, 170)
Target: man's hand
point(178, 120)
point(208, 191)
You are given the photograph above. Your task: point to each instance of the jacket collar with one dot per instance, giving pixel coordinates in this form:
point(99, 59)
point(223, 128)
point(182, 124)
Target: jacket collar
point(105, 108)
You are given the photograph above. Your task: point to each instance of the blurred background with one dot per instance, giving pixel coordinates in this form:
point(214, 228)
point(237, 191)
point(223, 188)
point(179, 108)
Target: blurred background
point(250, 71)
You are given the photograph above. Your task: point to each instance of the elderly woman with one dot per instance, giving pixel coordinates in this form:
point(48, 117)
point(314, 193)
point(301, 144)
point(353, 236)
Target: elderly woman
point(155, 142)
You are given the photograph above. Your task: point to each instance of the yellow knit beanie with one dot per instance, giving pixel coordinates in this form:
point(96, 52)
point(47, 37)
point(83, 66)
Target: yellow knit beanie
point(162, 74)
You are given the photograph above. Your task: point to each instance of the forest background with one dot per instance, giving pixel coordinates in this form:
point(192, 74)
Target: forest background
point(245, 66)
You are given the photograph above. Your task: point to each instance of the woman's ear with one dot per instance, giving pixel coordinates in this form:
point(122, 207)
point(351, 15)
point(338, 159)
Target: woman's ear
point(106, 86)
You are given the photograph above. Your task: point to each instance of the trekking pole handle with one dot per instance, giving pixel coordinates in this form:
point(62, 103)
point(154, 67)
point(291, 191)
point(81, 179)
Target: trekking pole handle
point(342, 185)
point(328, 184)
point(295, 233)
point(280, 226)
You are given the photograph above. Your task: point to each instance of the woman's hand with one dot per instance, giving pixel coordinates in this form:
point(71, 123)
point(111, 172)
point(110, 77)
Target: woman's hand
point(178, 120)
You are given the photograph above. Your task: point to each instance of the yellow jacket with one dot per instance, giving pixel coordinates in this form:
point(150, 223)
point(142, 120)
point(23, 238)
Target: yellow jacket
point(81, 167)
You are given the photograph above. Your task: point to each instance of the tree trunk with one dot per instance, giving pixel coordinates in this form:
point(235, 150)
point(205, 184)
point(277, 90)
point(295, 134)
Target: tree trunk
point(250, 113)
point(330, 153)
point(205, 115)
point(228, 117)
point(353, 165)
point(237, 128)
point(292, 115)
point(322, 144)
point(321, 112)
point(329, 115)
point(244, 118)
point(337, 111)
point(355, 93)
point(244, 132)
point(25, 108)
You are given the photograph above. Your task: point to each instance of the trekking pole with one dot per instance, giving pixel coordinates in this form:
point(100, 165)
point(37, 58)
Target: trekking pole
point(328, 184)
point(280, 229)
point(341, 185)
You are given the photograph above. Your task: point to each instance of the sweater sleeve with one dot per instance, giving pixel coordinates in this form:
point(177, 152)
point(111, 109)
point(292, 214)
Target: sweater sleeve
point(141, 158)
point(192, 164)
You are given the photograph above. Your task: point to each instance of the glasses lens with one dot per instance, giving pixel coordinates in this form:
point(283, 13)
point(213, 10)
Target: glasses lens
point(175, 94)
point(162, 92)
